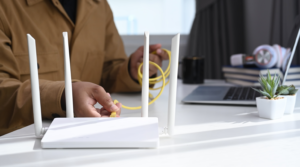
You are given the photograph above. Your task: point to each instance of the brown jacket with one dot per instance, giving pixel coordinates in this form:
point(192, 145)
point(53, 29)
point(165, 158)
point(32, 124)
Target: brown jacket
point(96, 49)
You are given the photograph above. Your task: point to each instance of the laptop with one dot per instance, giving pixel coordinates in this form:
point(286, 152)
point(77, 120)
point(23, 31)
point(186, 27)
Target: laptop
point(237, 95)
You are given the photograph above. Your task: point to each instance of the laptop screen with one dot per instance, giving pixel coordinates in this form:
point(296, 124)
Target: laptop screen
point(288, 60)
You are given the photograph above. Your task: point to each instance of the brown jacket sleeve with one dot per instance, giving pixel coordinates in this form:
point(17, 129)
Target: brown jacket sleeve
point(15, 96)
point(115, 76)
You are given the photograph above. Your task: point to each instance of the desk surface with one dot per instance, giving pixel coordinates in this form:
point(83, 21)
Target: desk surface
point(206, 135)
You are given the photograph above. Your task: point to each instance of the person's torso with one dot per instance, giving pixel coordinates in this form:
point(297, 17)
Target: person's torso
point(45, 20)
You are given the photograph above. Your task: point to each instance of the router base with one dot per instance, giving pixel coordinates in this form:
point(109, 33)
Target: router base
point(102, 133)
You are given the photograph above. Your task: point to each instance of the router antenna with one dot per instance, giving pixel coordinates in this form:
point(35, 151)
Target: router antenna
point(145, 81)
point(68, 79)
point(173, 83)
point(35, 88)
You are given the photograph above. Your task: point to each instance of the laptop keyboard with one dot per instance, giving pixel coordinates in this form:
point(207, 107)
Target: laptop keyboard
point(241, 93)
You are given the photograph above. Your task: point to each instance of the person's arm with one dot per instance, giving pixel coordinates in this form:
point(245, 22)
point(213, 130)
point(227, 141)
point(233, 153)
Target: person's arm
point(16, 100)
point(15, 96)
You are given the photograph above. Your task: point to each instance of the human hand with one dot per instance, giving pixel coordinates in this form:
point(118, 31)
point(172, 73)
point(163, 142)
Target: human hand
point(137, 59)
point(86, 95)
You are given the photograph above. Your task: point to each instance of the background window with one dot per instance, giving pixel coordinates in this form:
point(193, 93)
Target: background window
point(133, 17)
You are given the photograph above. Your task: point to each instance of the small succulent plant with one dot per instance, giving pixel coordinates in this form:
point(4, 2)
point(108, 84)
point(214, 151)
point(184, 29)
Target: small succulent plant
point(269, 86)
point(287, 90)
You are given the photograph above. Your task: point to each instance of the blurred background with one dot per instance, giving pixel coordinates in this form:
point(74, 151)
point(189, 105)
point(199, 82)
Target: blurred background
point(214, 29)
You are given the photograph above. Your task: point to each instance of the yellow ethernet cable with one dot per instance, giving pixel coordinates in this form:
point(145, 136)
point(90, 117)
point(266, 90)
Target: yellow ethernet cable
point(152, 81)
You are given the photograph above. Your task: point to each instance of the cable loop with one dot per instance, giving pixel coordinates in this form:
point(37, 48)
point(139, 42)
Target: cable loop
point(152, 81)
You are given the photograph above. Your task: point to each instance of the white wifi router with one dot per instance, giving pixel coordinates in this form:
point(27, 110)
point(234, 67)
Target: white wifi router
point(70, 132)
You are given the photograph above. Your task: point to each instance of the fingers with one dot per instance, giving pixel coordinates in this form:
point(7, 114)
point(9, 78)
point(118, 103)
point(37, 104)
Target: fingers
point(154, 58)
point(162, 54)
point(137, 58)
point(119, 105)
point(140, 60)
point(104, 113)
point(154, 47)
point(87, 111)
point(92, 112)
point(83, 103)
point(104, 99)
point(86, 95)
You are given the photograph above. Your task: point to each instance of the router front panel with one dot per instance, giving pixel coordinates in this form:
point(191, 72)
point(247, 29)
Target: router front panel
point(102, 133)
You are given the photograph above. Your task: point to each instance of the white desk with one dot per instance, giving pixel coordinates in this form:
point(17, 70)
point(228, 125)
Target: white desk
point(207, 135)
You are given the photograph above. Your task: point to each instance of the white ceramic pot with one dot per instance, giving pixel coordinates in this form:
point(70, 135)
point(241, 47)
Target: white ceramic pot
point(270, 109)
point(290, 103)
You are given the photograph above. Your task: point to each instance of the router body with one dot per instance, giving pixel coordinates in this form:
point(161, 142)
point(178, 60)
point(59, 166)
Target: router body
point(70, 132)
point(102, 133)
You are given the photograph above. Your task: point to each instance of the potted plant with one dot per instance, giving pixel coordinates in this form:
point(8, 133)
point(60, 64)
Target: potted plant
point(270, 106)
point(288, 92)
